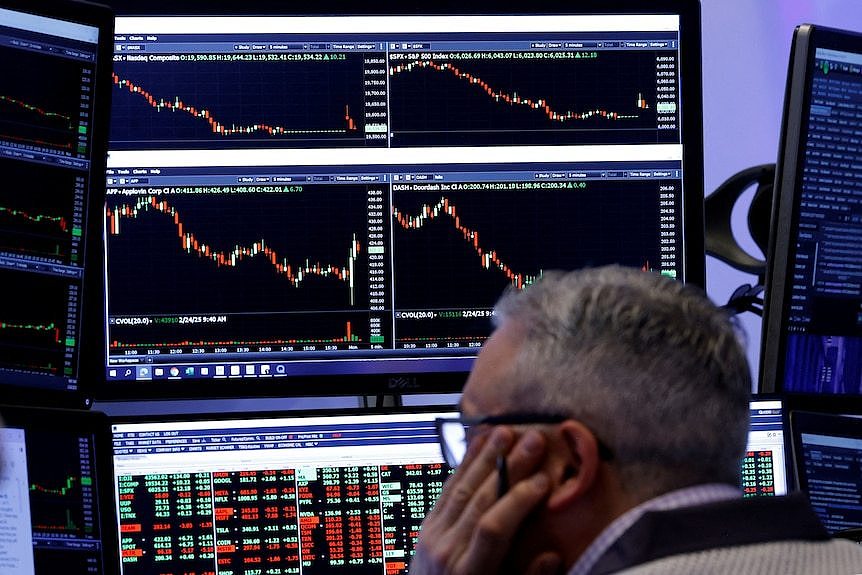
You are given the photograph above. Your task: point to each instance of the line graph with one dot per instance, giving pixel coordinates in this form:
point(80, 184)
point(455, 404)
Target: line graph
point(37, 214)
point(33, 323)
point(221, 104)
point(31, 329)
point(33, 113)
point(64, 120)
point(525, 98)
point(60, 221)
point(71, 482)
point(62, 487)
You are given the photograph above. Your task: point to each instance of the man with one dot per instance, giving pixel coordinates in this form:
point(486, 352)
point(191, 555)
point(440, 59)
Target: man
point(626, 397)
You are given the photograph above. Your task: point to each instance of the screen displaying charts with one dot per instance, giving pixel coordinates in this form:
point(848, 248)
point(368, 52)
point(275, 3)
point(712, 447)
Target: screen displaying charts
point(282, 494)
point(52, 508)
point(48, 76)
point(353, 198)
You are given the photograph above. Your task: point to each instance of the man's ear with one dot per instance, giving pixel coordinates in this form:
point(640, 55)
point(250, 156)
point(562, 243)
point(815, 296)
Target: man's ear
point(578, 468)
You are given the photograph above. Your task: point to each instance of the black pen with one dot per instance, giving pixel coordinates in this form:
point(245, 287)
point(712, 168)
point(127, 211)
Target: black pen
point(502, 476)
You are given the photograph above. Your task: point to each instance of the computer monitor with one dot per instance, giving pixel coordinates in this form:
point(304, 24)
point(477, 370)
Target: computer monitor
point(54, 102)
point(766, 464)
point(219, 493)
point(827, 455)
point(317, 204)
point(812, 342)
point(56, 501)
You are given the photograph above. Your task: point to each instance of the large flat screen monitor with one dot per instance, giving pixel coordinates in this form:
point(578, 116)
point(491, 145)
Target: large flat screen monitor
point(56, 501)
point(316, 204)
point(813, 321)
point(54, 102)
point(309, 492)
point(285, 493)
point(827, 454)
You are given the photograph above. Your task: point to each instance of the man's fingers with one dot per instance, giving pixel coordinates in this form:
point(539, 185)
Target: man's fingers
point(471, 527)
point(526, 457)
point(470, 475)
point(492, 535)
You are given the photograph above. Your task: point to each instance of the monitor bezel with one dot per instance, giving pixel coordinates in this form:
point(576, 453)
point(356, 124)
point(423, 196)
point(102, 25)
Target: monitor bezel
point(95, 423)
point(823, 423)
point(90, 334)
point(785, 211)
point(261, 415)
point(432, 382)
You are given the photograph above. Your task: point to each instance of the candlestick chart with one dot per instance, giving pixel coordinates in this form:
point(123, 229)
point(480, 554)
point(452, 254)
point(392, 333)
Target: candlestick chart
point(37, 215)
point(241, 103)
point(522, 98)
point(458, 250)
point(261, 269)
point(33, 323)
point(33, 114)
point(62, 486)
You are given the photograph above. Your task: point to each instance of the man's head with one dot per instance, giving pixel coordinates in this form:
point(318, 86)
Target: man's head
point(648, 365)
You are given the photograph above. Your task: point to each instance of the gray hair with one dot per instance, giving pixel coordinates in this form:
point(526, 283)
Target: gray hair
point(650, 365)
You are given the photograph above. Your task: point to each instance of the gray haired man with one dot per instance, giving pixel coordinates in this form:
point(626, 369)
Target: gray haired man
point(602, 429)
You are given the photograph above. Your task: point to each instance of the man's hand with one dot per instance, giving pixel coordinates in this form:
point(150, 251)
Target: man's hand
point(470, 530)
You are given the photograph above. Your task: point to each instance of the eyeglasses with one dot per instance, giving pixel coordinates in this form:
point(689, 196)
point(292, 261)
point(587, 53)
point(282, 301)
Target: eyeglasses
point(454, 432)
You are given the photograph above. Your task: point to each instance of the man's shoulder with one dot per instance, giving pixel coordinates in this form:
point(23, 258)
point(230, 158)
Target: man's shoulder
point(735, 526)
point(832, 557)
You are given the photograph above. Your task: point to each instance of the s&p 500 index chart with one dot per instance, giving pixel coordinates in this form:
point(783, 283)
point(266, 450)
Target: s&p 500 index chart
point(249, 92)
point(533, 92)
point(217, 269)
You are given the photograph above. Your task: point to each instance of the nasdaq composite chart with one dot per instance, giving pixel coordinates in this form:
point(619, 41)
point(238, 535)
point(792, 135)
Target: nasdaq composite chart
point(312, 99)
point(257, 90)
point(63, 503)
